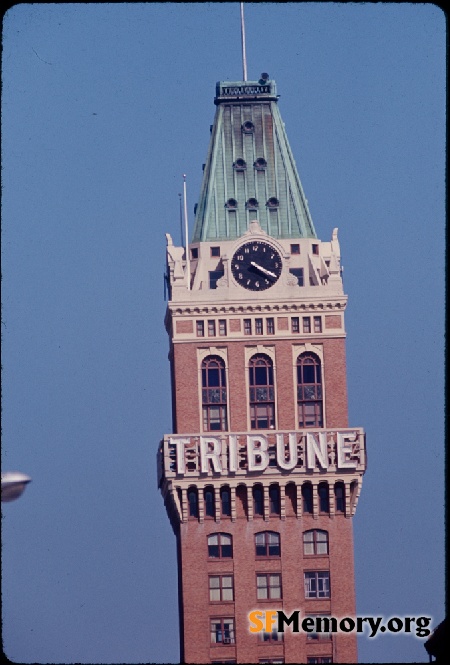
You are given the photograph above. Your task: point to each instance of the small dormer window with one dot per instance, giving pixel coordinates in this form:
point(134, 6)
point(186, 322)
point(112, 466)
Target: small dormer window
point(194, 252)
point(240, 165)
point(231, 204)
point(260, 164)
point(215, 251)
point(248, 127)
point(252, 204)
point(315, 249)
point(273, 202)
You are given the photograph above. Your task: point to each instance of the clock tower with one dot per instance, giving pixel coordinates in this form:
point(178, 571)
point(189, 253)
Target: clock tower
point(262, 472)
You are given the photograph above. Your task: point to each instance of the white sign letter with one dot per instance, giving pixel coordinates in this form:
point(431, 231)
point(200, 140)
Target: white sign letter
point(344, 448)
point(254, 451)
point(232, 453)
point(293, 456)
point(316, 450)
point(210, 450)
point(180, 443)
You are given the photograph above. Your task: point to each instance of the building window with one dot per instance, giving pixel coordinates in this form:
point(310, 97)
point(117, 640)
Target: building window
point(222, 631)
point(315, 541)
point(211, 328)
point(319, 659)
point(339, 497)
point(200, 328)
point(260, 164)
point(309, 391)
point(262, 393)
point(240, 164)
point(209, 502)
point(323, 624)
point(258, 326)
point(306, 324)
point(194, 253)
point(220, 546)
point(225, 502)
point(324, 498)
point(268, 586)
point(274, 500)
point(271, 660)
point(258, 500)
point(192, 497)
point(317, 324)
point(222, 327)
point(214, 276)
point(317, 584)
point(247, 326)
point(274, 636)
point(221, 588)
point(298, 272)
point(307, 496)
point(267, 543)
point(215, 251)
point(214, 394)
point(295, 323)
point(270, 323)
point(315, 249)
point(295, 249)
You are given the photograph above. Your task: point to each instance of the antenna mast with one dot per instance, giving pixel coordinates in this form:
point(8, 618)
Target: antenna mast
point(188, 262)
point(244, 56)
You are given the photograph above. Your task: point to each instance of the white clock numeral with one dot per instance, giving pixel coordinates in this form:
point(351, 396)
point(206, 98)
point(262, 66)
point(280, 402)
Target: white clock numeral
point(240, 276)
point(247, 250)
point(257, 285)
point(248, 281)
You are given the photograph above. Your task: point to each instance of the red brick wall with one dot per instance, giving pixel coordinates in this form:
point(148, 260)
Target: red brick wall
point(244, 565)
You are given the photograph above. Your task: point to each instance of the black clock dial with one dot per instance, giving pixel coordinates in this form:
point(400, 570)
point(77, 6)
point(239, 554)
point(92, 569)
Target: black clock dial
point(256, 265)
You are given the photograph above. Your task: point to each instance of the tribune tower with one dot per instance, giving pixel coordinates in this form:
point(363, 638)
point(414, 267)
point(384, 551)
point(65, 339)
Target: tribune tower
point(262, 473)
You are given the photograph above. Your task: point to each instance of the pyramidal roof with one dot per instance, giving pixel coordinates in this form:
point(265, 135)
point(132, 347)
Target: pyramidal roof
point(250, 172)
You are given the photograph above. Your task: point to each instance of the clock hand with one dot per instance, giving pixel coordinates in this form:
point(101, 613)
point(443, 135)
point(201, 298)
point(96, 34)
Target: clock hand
point(264, 270)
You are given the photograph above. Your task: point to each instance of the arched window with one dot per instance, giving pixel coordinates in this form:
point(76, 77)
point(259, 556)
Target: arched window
point(225, 501)
point(214, 394)
point(209, 502)
point(324, 498)
point(267, 543)
point(307, 498)
point(315, 541)
point(220, 546)
point(258, 500)
point(339, 497)
point(274, 500)
point(262, 393)
point(192, 497)
point(309, 391)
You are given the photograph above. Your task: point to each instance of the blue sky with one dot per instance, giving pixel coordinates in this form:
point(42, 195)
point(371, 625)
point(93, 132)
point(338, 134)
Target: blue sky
point(104, 107)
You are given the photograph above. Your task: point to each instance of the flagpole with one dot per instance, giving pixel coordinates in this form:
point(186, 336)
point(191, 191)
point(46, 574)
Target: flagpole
point(244, 56)
point(186, 236)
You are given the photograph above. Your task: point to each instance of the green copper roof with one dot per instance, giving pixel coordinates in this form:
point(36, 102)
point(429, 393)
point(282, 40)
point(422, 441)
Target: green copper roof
point(250, 172)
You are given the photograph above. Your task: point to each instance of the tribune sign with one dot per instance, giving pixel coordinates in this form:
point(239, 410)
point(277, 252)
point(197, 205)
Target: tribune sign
point(321, 450)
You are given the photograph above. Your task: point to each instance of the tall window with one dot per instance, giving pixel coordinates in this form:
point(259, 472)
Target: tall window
point(258, 500)
point(222, 631)
point(307, 498)
point(262, 393)
point(309, 391)
point(268, 586)
point(220, 546)
point(270, 323)
point(214, 394)
point(274, 500)
point(209, 502)
point(324, 498)
point(267, 543)
point(192, 497)
point(315, 541)
point(317, 584)
point(220, 588)
point(339, 497)
point(225, 502)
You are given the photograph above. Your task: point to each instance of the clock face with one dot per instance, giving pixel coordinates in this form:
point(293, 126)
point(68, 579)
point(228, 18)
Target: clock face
point(256, 265)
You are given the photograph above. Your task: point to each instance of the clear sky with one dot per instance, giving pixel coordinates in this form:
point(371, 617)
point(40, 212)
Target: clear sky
point(104, 107)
